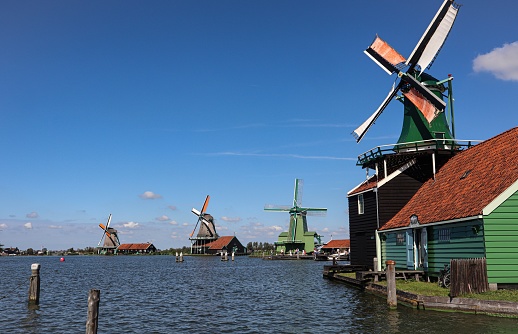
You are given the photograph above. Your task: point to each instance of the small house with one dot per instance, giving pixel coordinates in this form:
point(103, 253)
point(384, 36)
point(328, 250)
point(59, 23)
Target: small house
point(469, 209)
point(229, 244)
point(338, 246)
point(143, 248)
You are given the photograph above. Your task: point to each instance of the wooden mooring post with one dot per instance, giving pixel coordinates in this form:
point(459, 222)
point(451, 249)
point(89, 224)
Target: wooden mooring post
point(391, 283)
point(34, 285)
point(92, 320)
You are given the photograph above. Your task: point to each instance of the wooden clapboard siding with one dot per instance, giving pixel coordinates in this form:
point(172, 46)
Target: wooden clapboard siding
point(394, 251)
point(393, 195)
point(501, 241)
point(362, 229)
point(464, 243)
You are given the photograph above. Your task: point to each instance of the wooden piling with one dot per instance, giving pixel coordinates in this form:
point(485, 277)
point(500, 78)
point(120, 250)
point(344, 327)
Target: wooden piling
point(181, 256)
point(92, 320)
point(34, 285)
point(232, 256)
point(375, 264)
point(391, 283)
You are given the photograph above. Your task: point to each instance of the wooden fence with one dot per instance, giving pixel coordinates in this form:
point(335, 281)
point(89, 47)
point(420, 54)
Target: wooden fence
point(468, 276)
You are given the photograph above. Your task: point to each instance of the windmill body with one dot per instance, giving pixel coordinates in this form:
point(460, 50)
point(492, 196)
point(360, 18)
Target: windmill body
point(206, 232)
point(297, 237)
point(110, 240)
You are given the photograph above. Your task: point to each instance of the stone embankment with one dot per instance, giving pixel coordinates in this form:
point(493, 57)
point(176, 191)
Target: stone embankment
point(469, 305)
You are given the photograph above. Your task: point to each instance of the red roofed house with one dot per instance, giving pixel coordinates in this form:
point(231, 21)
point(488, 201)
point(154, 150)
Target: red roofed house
point(399, 172)
point(469, 209)
point(337, 246)
point(144, 248)
point(228, 244)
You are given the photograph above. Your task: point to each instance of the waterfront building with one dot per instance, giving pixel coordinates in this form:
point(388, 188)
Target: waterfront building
point(469, 209)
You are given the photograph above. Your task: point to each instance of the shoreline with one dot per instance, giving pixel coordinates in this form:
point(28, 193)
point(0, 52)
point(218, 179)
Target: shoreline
point(456, 304)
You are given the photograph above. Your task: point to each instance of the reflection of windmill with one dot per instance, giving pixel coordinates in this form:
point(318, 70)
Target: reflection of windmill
point(298, 236)
point(424, 116)
point(111, 239)
point(206, 233)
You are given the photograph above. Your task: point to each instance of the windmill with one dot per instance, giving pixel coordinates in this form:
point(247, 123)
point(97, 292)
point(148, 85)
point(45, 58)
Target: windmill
point(424, 116)
point(111, 239)
point(298, 236)
point(206, 233)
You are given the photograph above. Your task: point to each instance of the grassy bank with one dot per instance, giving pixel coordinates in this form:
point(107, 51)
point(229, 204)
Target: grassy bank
point(433, 289)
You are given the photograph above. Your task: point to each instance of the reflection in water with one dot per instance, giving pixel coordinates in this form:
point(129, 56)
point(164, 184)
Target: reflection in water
point(155, 294)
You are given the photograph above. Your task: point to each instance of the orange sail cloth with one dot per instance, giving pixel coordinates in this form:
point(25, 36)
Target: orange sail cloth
point(423, 105)
point(386, 51)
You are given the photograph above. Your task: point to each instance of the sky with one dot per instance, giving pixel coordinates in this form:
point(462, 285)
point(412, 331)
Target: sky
point(140, 109)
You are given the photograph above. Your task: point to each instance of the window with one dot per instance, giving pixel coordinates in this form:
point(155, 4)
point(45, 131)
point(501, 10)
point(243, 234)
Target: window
point(400, 239)
point(361, 205)
point(444, 235)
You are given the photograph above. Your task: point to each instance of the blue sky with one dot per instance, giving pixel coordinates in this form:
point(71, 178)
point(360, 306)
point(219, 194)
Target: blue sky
point(142, 108)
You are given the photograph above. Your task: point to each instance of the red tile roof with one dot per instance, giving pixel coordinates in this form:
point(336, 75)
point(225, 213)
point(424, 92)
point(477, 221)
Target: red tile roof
point(370, 183)
point(143, 246)
point(466, 184)
point(345, 243)
point(220, 242)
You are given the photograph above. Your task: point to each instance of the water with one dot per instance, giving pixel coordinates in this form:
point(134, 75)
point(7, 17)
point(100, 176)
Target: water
point(154, 294)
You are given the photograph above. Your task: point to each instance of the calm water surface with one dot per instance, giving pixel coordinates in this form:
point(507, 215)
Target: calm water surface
point(154, 294)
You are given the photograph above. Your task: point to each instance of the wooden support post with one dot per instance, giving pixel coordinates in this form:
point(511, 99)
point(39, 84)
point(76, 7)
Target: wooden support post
point(176, 257)
point(375, 264)
point(232, 256)
point(181, 256)
point(92, 320)
point(34, 286)
point(391, 283)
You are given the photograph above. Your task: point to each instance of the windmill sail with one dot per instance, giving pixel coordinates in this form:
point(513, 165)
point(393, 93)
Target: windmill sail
point(384, 55)
point(362, 129)
point(434, 37)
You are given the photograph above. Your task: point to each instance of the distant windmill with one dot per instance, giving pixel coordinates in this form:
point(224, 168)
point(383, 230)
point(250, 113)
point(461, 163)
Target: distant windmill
point(298, 236)
point(206, 233)
point(424, 116)
point(110, 237)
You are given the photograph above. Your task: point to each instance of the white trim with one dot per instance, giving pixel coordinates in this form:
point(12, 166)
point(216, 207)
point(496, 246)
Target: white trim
point(399, 171)
point(500, 199)
point(459, 220)
point(378, 250)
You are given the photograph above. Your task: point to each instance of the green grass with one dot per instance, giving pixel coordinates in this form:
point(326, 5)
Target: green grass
point(433, 289)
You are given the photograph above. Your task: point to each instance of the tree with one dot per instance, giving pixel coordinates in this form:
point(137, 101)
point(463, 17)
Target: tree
point(30, 251)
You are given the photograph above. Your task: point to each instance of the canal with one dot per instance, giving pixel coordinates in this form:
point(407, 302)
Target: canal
point(155, 294)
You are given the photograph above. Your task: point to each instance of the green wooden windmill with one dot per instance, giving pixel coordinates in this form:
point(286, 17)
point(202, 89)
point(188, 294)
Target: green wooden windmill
point(297, 237)
point(422, 95)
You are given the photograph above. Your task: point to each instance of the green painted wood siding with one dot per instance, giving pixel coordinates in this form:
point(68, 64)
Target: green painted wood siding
point(394, 252)
point(464, 243)
point(501, 240)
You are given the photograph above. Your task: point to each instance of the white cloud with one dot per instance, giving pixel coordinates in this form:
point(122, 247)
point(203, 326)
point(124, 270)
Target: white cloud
point(130, 225)
point(149, 195)
point(172, 222)
point(162, 218)
point(32, 215)
point(28, 225)
point(231, 219)
point(501, 62)
point(55, 226)
point(3, 225)
point(172, 207)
